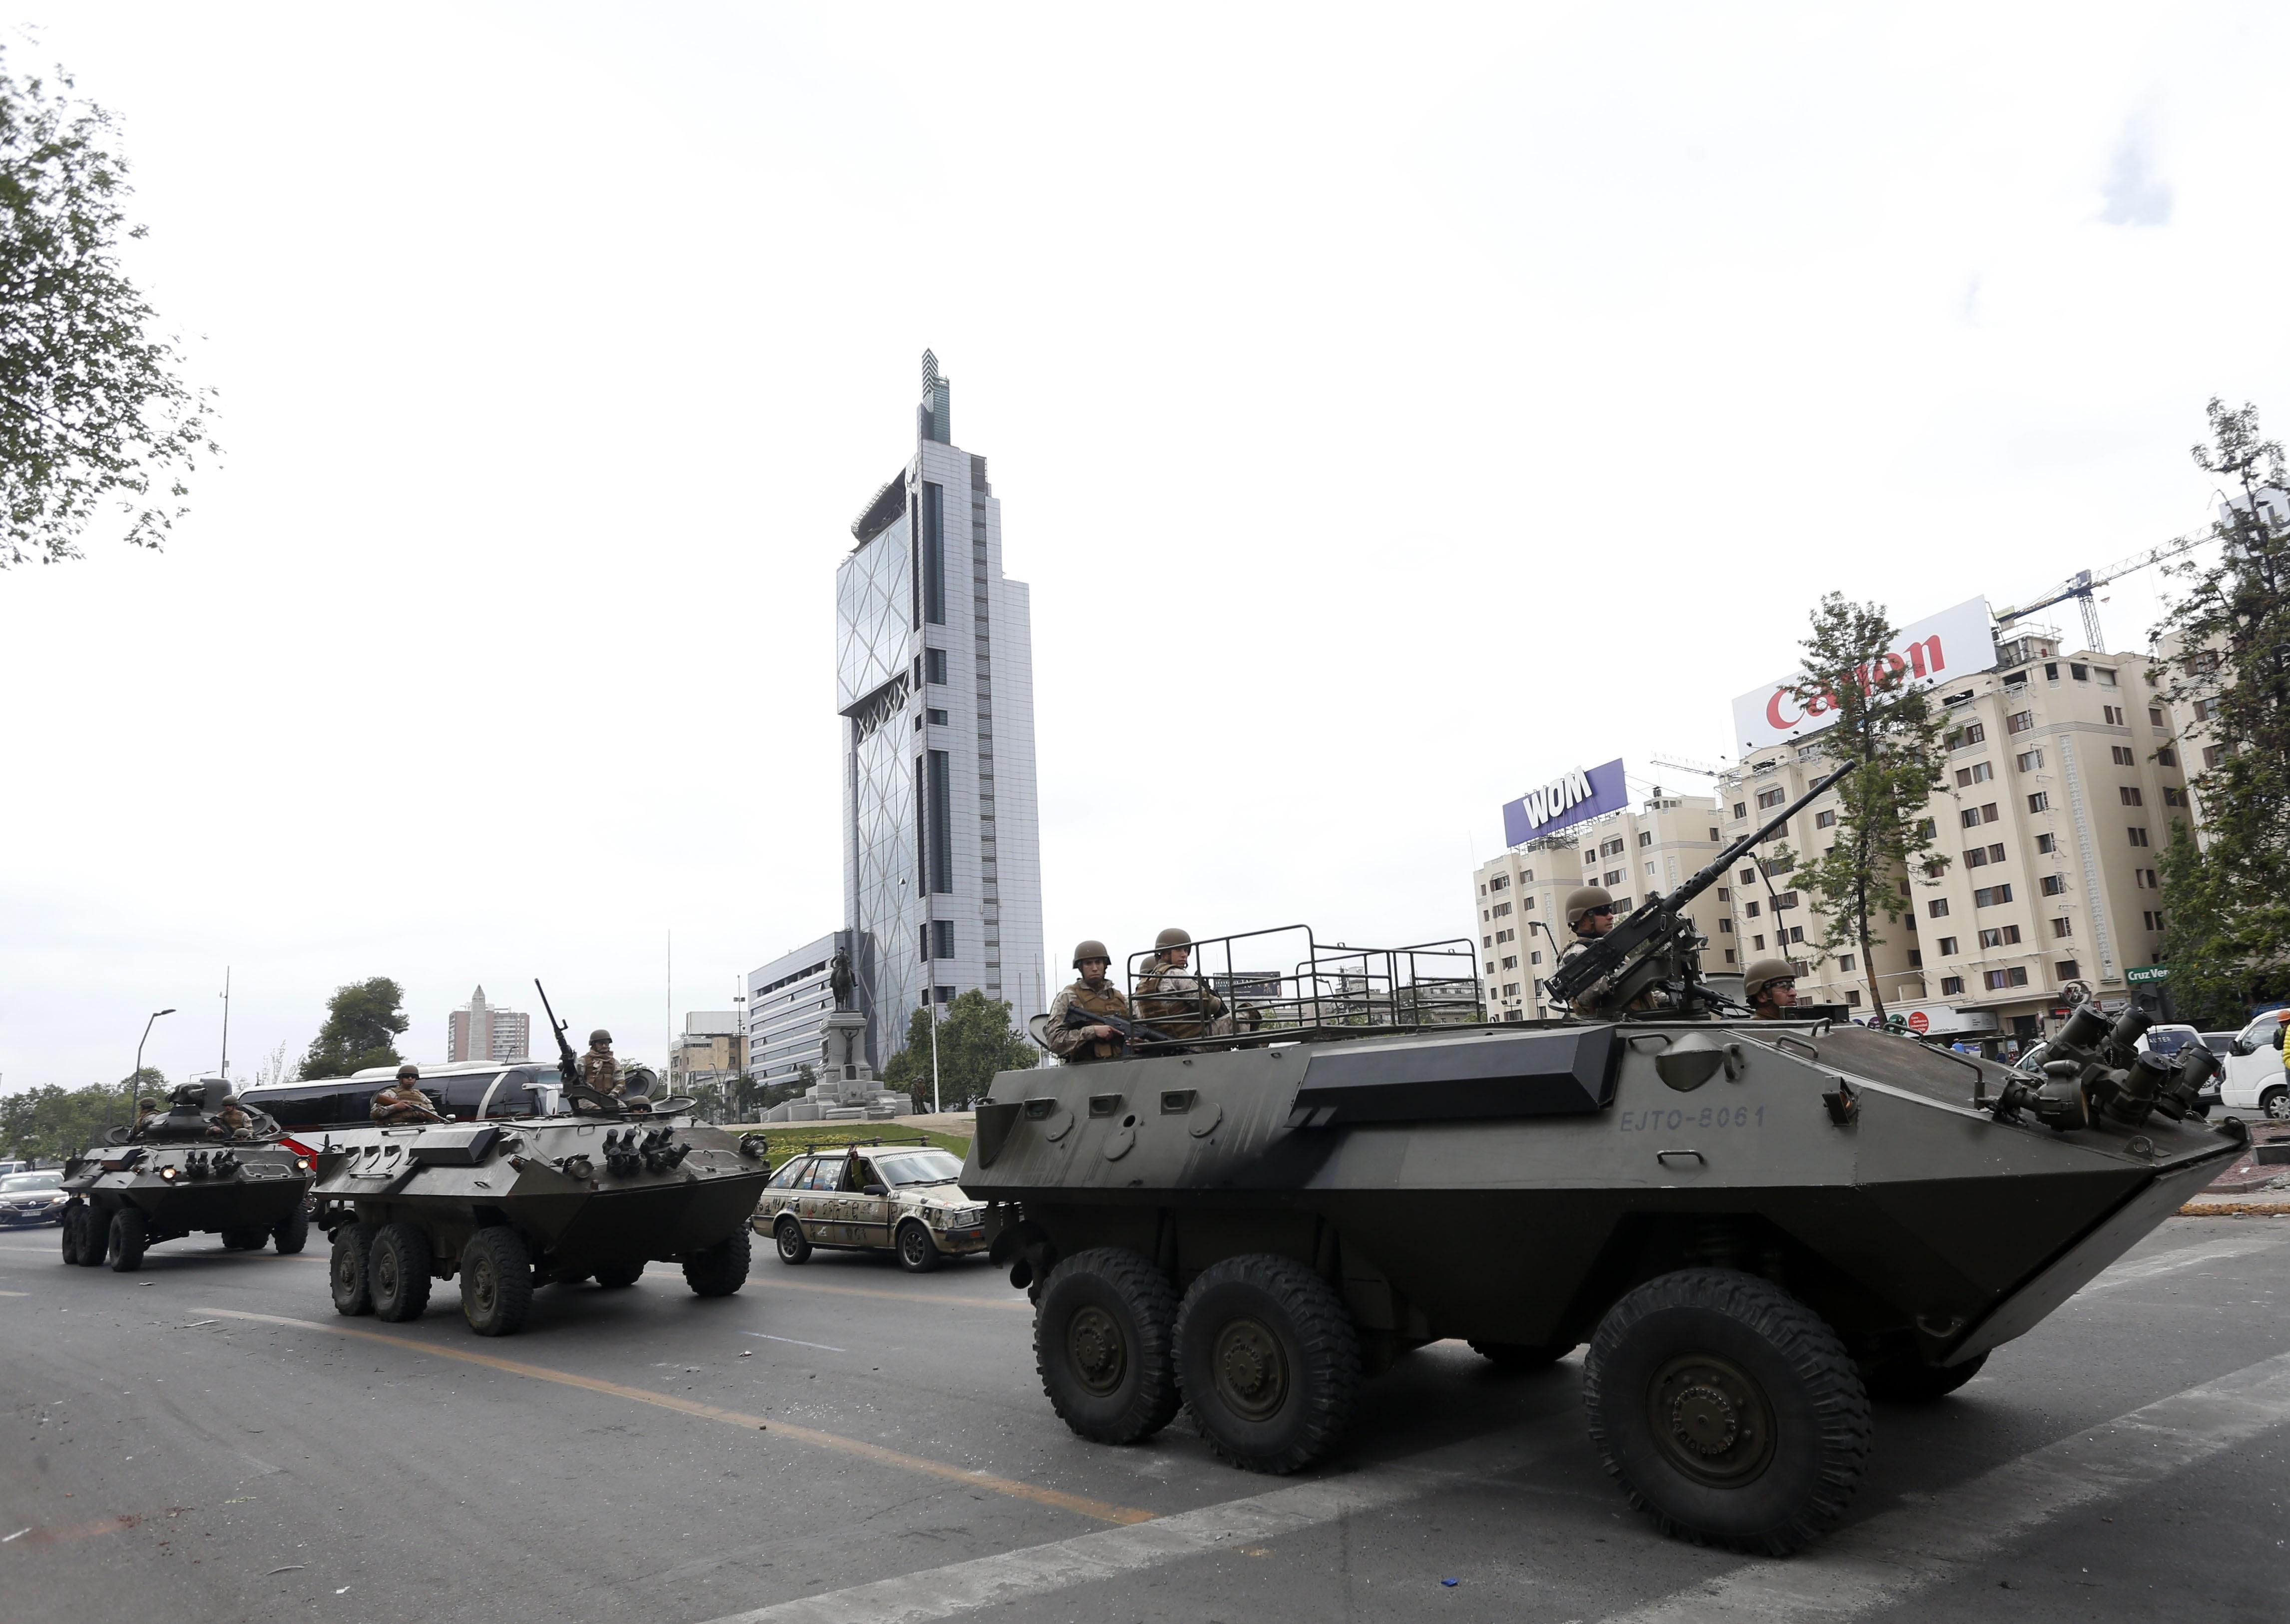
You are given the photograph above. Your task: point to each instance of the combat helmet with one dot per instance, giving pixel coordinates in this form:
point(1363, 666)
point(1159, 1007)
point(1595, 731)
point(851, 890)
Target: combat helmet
point(600, 1039)
point(1089, 950)
point(1583, 899)
point(1764, 973)
point(1172, 938)
point(409, 1073)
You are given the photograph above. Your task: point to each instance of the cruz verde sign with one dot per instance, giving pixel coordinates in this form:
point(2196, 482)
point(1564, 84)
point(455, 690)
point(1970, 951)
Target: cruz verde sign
point(2138, 974)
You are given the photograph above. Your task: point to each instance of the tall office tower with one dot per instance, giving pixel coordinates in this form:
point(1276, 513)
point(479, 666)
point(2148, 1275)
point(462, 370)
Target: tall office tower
point(481, 1032)
point(942, 851)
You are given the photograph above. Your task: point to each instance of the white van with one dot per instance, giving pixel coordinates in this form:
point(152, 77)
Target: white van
point(2254, 1079)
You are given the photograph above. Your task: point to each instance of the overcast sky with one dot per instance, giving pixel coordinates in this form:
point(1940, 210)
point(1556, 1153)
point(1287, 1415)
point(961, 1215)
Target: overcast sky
point(1392, 407)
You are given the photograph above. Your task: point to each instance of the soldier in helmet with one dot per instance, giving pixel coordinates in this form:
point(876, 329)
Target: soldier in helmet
point(598, 1069)
point(1590, 914)
point(1171, 1000)
point(1771, 988)
point(231, 1120)
point(1092, 995)
point(403, 1102)
point(147, 1111)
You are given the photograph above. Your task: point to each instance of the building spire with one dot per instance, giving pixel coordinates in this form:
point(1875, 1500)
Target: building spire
point(933, 418)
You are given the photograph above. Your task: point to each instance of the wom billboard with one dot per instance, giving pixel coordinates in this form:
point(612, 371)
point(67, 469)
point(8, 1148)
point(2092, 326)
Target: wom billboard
point(1565, 800)
point(1953, 644)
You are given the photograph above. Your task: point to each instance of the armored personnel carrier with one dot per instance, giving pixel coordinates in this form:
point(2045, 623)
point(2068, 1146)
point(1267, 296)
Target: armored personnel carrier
point(1757, 1224)
point(508, 1206)
point(210, 1165)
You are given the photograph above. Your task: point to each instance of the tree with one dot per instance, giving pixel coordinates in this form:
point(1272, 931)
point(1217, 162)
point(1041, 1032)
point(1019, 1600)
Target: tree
point(975, 1040)
point(91, 410)
point(2226, 898)
point(49, 1122)
point(1888, 730)
point(362, 1020)
point(276, 1069)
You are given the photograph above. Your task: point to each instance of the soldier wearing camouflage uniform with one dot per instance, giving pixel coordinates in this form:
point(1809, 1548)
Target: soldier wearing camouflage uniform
point(1590, 914)
point(1174, 1002)
point(598, 1069)
point(231, 1120)
point(1771, 988)
point(403, 1101)
point(147, 1111)
point(1093, 994)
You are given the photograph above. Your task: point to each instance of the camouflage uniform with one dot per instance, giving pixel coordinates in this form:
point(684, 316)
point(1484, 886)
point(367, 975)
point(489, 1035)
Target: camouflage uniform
point(600, 1071)
point(1072, 1044)
point(1591, 999)
point(1175, 1002)
point(403, 1101)
point(231, 1121)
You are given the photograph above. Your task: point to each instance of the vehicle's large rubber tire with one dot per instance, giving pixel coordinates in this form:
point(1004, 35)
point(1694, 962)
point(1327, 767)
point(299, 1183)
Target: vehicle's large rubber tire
point(496, 1281)
point(1268, 1361)
point(398, 1273)
point(1105, 1346)
point(790, 1238)
point(123, 1243)
point(723, 1268)
point(1513, 1359)
point(2274, 1104)
point(244, 1239)
point(351, 1269)
point(1910, 1381)
point(1727, 1410)
point(291, 1233)
point(618, 1274)
point(75, 1233)
point(93, 1237)
point(918, 1254)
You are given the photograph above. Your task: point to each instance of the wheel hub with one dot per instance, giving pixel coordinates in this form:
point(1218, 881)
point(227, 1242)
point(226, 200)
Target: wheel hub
point(1097, 1350)
point(1711, 1419)
point(1252, 1374)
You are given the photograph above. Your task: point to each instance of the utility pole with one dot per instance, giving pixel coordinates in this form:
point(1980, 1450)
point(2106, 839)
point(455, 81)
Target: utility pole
point(226, 1023)
point(136, 1075)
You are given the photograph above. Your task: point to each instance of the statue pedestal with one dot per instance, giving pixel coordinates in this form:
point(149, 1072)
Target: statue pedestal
point(846, 1090)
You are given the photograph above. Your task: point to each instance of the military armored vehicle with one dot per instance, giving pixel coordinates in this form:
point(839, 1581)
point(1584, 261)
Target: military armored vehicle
point(1757, 1225)
point(208, 1165)
point(510, 1205)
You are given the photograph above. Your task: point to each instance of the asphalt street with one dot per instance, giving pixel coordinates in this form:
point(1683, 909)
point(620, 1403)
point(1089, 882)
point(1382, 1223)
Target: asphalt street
point(209, 1440)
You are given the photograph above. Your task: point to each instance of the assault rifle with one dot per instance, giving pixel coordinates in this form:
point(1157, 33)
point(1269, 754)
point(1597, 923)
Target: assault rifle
point(1661, 938)
point(1127, 1031)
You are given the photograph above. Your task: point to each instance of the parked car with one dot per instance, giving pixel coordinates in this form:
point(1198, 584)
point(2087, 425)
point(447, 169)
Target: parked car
point(32, 1198)
point(2168, 1040)
point(2255, 1080)
point(876, 1198)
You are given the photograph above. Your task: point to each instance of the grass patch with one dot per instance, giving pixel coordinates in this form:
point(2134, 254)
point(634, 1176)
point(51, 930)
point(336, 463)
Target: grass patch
point(788, 1138)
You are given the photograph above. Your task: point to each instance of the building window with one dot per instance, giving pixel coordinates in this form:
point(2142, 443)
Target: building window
point(2081, 674)
point(2001, 936)
point(1987, 812)
point(1999, 979)
point(2213, 754)
point(2155, 715)
point(2019, 721)
point(2154, 920)
point(2062, 927)
point(1740, 810)
point(1487, 941)
point(1771, 798)
point(1787, 899)
point(1796, 934)
point(1844, 961)
point(1978, 773)
point(2112, 715)
point(1500, 909)
point(2029, 761)
point(1510, 989)
point(2040, 802)
point(1613, 877)
point(1498, 883)
point(1752, 909)
point(2105, 679)
point(2173, 795)
point(1534, 957)
point(1724, 894)
point(937, 718)
point(1725, 927)
point(2067, 970)
point(1506, 935)
point(1621, 907)
point(1511, 963)
point(1645, 838)
point(1853, 996)
point(2047, 843)
point(1950, 986)
point(2205, 709)
point(1948, 946)
point(2146, 878)
point(1748, 877)
point(1991, 896)
point(1916, 959)
point(1972, 817)
point(930, 558)
point(934, 665)
point(1972, 733)
point(1756, 944)
point(1713, 838)
point(2123, 756)
point(1825, 820)
point(1526, 876)
point(1729, 955)
point(2130, 793)
point(2138, 836)
point(1975, 858)
point(1937, 907)
point(2054, 886)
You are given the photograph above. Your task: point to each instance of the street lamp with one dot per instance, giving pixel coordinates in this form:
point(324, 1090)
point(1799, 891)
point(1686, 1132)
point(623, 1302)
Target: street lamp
point(135, 1076)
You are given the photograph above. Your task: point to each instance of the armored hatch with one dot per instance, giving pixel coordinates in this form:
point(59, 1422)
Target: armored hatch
point(1757, 1226)
point(210, 1165)
point(510, 1205)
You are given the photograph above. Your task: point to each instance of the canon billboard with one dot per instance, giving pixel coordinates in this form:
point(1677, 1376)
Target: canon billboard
point(1954, 643)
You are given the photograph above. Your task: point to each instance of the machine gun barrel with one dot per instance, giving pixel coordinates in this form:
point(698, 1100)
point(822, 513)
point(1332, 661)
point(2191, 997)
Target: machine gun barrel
point(568, 1064)
point(1660, 917)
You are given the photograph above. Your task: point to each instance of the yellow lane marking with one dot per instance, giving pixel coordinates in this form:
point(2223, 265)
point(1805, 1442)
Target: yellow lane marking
point(909, 1297)
point(1103, 1511)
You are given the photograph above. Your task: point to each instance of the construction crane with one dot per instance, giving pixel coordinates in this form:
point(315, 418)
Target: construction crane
point(2081, 585)
point(1700, 768)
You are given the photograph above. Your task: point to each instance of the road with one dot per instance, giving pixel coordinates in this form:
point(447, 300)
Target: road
point(208, 1440)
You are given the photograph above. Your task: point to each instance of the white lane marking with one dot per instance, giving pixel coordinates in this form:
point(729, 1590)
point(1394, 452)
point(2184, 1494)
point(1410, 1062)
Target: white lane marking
point(987, 1581)
point(15, 1293)
point(2207, 1252)
point(792, 1342)
point(1896, 1553)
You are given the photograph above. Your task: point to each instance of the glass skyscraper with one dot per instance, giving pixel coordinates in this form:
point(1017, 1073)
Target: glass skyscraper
point(934, 682)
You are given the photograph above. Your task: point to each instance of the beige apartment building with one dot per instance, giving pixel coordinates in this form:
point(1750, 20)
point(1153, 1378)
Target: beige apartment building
point(2064, 774)
point(1655, 846)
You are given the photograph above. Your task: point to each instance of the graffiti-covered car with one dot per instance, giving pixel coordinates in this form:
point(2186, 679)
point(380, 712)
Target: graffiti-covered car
point(872, 1198)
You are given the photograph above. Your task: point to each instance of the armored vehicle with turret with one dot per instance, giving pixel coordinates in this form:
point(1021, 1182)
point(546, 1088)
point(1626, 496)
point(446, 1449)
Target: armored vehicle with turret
point(597, 1193)
point(207, 1165)
point(1757, 1225)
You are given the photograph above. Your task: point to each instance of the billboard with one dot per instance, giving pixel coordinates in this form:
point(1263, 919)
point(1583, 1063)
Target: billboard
point(1569, 799)
point(1941, 648)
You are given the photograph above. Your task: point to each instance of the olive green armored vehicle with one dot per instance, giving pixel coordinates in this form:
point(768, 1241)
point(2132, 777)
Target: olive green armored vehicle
point(508, 1206)
point(208, 1165)
point(1757, 1225)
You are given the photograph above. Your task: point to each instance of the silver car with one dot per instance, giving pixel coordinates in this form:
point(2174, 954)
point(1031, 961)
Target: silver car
point(896, 1198)
point(32, 1198)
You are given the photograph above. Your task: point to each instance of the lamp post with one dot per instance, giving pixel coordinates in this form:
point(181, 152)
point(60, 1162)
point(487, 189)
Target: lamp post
point(136, 1076)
